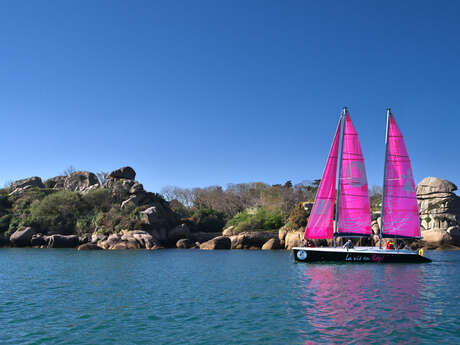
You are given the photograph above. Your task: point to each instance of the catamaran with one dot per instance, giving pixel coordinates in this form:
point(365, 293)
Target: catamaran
point(399, 215)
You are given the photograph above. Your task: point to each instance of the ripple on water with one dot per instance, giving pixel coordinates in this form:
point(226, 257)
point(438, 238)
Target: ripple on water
point(222, 297)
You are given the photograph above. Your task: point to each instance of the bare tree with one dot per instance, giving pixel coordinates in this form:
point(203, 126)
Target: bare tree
point(69, 170)
point(375, 197)
point(375, 190)
point(184, 195)
point(8, 184)
point(102, 176)
point(238, 197)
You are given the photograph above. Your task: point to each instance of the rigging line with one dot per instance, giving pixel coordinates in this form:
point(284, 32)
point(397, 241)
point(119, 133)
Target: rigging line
point(396, 155)
point(401, 197)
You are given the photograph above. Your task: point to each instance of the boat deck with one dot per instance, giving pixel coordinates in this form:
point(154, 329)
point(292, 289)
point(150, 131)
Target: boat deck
point(357, 254)
point(367, 250)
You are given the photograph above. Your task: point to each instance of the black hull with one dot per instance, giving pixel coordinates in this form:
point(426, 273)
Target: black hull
point(357, 255)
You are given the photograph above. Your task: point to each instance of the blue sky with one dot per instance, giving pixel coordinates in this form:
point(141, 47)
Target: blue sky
point(197, 93)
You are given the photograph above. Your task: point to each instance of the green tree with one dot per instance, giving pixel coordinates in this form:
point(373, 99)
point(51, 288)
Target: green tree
point(57, 212)
point(298, 217)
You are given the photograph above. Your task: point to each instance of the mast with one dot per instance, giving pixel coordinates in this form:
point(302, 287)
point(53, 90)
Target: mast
point(384, 179)
point(337, 201)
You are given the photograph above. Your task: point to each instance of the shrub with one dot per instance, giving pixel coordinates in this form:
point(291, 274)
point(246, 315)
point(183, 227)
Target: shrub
point(5, 223)
point(259, 220)
point(99, 199)
point(4, 202)
point(179, 208)
point(117, 219)
point(57, 212)
point(49, 183)
point(298, 217)
point(24, 201)
point(208, 220)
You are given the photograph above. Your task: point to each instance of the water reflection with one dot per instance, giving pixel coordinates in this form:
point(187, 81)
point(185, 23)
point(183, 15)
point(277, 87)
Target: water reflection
point(362, 304)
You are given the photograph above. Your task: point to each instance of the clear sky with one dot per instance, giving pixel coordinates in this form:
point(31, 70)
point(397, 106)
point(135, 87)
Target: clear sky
point(197, 93)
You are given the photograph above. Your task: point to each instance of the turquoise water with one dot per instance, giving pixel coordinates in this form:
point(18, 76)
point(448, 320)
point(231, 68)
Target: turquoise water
point(59, 296)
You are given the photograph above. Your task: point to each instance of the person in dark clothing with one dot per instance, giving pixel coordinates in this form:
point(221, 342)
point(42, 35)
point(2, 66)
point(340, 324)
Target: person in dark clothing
point(310, 244)
point(348, 245)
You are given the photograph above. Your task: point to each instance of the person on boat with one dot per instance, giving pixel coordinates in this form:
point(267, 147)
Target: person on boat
point(348, 245)
point(403, 246)
point(310, 244)
point(390, 245)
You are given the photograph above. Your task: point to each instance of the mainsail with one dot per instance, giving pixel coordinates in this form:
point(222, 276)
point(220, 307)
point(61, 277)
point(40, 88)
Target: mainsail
point(320, 223)
point(400, 209)
point(354, 211)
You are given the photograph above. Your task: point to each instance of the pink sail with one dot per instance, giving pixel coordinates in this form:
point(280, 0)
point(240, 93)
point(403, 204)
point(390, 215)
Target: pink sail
point(354, 211)
point(320, 224)
point(400, 209)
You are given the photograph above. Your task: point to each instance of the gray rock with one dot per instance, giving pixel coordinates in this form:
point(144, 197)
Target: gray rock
point(282, 233)
point(251, 240)
point(123, 245)
point(95, 237)
point(90, 188)
point(203, 236)
point(151, 216)
point(454, 232)
point(180, 231)
point(125, 172)
point(133, 201)
point(21, 238)
point(56, 182)
point(436, 238)
point(63, 241)
point(85, 238)
point(144, 239)
point(89, 246)
point(141, 237)
point(80, 181)
point(228, 231)
point(184, 243)
point(435, 185)
point(38, 240)
point(220, 242)
point(293, 239)
point(375, 227)
point(34, 181)
point(19, 186)
point(136, 188)
point(271, 244)
point(120, 188)
point(109, 241)
point(439, 207)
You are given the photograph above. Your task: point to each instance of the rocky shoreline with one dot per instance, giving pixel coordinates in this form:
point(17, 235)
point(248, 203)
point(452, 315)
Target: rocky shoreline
point(121, 215)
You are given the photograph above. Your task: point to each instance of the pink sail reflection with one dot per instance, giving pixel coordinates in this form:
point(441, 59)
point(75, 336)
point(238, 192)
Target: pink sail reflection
point(362, 305)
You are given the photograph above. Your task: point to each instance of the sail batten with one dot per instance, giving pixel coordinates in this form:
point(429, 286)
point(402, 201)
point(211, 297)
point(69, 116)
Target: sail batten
point(400, 208)
point(354, 210)
point(321, 221)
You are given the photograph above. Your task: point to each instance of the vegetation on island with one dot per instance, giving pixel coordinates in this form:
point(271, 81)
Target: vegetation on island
point(53, 211)
point(83, 202)
point(255, 206)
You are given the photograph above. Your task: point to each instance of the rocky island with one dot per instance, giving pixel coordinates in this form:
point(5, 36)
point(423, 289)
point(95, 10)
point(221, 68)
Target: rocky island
point(114, 212)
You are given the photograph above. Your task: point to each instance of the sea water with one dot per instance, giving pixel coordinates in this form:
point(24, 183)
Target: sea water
point(60, 296)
